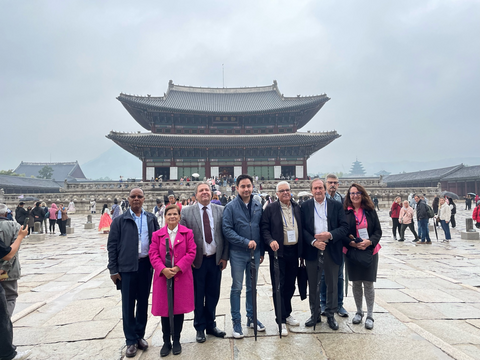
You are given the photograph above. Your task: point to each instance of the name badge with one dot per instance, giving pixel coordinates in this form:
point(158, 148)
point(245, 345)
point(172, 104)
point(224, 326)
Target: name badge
point(363, 233)
point(291, 236)
point(139, 246)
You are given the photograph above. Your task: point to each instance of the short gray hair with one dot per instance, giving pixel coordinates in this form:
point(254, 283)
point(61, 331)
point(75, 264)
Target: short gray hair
point(331, 176)
point(202, 183)
point(282, 183)
point(3, 209)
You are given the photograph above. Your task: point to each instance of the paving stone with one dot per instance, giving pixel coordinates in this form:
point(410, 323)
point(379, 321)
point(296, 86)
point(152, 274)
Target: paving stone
point(452, 331)
point(394, 296)
point(430, 295)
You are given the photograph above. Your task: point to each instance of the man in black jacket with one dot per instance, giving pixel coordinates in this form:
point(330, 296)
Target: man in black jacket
point(324, 227)
point(281, 228)
point(20, 213)
point(128, 245)
point(422, 217)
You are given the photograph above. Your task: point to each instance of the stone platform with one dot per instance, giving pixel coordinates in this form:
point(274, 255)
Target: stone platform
point(427, 306)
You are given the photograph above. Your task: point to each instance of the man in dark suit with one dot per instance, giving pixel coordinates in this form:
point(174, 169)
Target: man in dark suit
point(128, 245)
point(324, 227)
point(205, 220)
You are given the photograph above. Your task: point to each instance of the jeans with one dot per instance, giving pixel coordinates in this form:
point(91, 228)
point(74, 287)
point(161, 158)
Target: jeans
point(7, 350)
point(240, 265)
point(446, 229)
point(423, 229)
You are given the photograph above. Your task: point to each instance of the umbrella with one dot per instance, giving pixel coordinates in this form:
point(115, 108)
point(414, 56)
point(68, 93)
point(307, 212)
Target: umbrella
point(253, 279)
point(450, 194)
point(29, 198)
point(218, 192)
point(168, 264)
point(278, 298)
point(304, 193)
point(472, 194)
point(195, 175)
point(317, 292)
point(435, 227)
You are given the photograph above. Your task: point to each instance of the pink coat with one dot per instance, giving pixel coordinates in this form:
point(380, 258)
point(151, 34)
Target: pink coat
point(184, 251)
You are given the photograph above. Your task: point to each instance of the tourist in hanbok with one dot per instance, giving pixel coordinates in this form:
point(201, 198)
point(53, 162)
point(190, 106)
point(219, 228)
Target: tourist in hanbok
point(105, 220)
point(71, 207)
point(116, 209)
point(183, 250)
point(93, 206)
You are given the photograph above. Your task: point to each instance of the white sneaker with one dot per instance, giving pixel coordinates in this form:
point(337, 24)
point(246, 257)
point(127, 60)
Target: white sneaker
point(284, 330)
point(292, 321)
point(23, 355)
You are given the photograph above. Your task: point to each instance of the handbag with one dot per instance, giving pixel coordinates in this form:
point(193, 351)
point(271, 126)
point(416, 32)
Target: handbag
point(477, 225)
point(362, 258)
point(302, 281)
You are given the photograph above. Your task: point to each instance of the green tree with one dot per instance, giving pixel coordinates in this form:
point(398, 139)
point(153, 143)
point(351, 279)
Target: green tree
point(10, 172)
point(45, 173)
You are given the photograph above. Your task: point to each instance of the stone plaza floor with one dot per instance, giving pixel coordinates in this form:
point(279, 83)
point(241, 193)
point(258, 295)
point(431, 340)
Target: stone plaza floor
point(427, 306)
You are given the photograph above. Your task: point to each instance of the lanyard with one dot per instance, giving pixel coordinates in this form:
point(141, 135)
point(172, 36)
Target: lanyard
point(141, 226)
point(284, 219)
point(356, 218)
point(325, 201)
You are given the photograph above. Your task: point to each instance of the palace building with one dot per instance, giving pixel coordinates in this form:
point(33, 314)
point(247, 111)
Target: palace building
point(223, 131)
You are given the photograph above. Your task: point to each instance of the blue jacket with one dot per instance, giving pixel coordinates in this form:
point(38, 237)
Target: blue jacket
point(122, 242)
point(240, 226)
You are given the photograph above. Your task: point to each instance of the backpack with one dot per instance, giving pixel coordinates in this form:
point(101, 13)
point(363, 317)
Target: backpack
point(430, 212)
point(47, 213)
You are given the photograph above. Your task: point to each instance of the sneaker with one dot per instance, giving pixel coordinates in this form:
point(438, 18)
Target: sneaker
point(414, 240)
point(22, 355)
point(260, 326)
point(237, 330)
point(322, 310)
point(394, 237)
point(428, 242)
point(292, 321)
point(342, 312)
point(284, 330)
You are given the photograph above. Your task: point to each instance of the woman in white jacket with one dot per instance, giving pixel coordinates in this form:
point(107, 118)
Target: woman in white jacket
point(444, 214)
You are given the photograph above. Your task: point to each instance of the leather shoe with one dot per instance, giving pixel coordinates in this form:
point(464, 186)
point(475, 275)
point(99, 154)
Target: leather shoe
point(177, 348)
point(131, 350)
point(342, 312)
point(216, 332)
point(310, 321)
point(332, 323)
point(165, 350)
point(142, 344)
point(200, 336)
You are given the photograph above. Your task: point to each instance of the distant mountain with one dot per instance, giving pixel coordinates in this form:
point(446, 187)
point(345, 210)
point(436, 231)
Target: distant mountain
point(113, 163)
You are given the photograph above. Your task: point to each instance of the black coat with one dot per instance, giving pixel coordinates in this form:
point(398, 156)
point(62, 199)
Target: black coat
point(337, 226)
point(122, 242)
point(38, 214)
point(357, 272)
point(271, 226)
point(20, 214)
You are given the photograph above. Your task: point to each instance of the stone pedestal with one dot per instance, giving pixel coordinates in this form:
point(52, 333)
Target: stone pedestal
point(70, 230)
point(89, 226)
point(68, 226)
point(470, 235)
point(36, 237)
point(430, 227)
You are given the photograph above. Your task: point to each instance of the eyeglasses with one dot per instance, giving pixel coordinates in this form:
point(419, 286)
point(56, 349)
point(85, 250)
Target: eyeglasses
point(284, 191)
point(358, 193)
point(332, 182)
point(136, 196)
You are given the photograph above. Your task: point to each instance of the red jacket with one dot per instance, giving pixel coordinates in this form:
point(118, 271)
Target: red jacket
point(476, 214)
point(396, 207)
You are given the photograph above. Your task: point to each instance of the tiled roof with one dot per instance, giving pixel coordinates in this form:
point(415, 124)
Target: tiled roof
point(61, 170)
point(222, 101)
point(318, 140)
point(7, 181)
point(426, 175)
point(467, 172)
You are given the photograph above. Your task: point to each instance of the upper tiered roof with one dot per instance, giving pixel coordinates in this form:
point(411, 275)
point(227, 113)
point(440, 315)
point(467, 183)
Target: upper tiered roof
point(61, 170)
point(222, 101)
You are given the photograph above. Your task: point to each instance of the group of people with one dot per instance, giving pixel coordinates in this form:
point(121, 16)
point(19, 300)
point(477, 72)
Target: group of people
point(327, 232)
point(41, 213)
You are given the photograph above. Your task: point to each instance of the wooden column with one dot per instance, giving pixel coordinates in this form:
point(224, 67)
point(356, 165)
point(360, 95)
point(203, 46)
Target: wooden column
point(144, 170)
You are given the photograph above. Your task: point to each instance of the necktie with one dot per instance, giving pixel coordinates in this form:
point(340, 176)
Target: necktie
point(206, 226)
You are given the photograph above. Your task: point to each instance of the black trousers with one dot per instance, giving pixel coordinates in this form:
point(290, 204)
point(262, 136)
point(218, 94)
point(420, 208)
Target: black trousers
point(136, 288)
point(452, 221)
point(411, 226)
point(177, 327)
point(396, 225)
point(7, 351)
point(52, 225)
point(288, 265)
point(62, 226)
point(206, 286)
point(331, 279)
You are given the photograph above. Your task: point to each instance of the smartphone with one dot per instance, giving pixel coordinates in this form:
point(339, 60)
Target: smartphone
point(119, 284)
point(25, 223)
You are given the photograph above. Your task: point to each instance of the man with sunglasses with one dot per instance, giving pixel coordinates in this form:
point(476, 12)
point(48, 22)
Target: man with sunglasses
point(332, 187)
point(130, 268)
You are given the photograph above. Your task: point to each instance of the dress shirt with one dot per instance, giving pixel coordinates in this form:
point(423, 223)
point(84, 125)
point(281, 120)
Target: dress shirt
point(335, 197)
point(289, 223)
point(320, 217)
point(172, 234)
point(208, 249)
point(142, 228)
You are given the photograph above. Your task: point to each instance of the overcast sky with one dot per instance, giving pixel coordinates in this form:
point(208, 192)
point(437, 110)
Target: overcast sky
point(403, 76)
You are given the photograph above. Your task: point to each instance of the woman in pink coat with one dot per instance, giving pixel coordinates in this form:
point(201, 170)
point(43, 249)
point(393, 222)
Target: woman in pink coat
point(183, 250)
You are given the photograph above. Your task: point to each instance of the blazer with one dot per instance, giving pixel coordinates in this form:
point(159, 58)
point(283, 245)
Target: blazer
point(192, 219)
point(122, 244)
point(272, 226)
point(337, 226)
